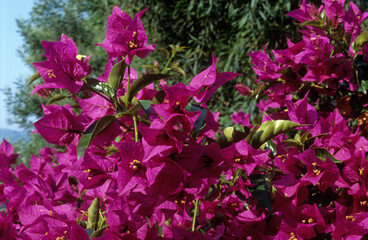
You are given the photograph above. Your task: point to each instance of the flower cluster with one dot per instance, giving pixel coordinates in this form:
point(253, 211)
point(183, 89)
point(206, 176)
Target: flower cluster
point(139, 159)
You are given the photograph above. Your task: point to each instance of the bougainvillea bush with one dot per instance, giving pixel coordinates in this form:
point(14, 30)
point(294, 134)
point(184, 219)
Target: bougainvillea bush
point(135, 158)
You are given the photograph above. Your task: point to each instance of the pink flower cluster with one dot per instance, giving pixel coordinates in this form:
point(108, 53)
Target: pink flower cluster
point(141, 160)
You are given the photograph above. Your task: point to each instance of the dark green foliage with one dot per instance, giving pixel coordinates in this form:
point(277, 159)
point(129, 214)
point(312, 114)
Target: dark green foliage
point(362, 5)
point(84, 22)
point(229, 29)
point(23, 109)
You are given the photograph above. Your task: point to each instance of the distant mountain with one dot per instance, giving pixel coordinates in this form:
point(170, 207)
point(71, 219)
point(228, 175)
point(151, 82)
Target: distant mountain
point(12, 135)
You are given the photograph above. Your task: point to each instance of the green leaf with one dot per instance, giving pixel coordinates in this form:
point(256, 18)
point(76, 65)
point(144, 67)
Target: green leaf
point(79, 219)
point(147, 105)
point(116, 75)
point(177, 48)
point(88, 136)
point(123, 99)
point(101, 87)
point(93, 214)
point(310, 140)
point(111, 150)
point(152, 68)
point(304, 137)
point(98, 233)
point(229, 136)
point(131, 111)
point(89, 231)
point(102, 221)
point(361, 73)
point(322, 154)
point(56, 98)
point(293, 143)
point(363, 86)
point(200, 122)
point(2, 207)
point(142, 82)
point(259, 91)
point(34, 77)
point(84, 93)
point(297, 137)
point(272, 146)
point(175, 67)
point(164, 51)
point(360, 41)
point(261, 190)
point(159, 97)
point(269, 130)
point(251, 133)
point(313, 23)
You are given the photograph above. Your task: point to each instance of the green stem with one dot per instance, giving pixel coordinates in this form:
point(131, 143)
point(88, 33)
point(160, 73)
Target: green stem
point(168, 62)
point(127, 103)
point(196, 206)
point(145, 121)
point(135, 128)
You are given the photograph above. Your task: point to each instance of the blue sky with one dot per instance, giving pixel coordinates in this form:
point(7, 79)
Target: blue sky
point(11, 66)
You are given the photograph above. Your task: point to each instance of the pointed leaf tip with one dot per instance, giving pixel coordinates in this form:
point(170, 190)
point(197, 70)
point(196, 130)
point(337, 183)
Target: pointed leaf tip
point(269, 130)
point(116, 75)
point(92, 131)
point(144, 81)
point(34, 77)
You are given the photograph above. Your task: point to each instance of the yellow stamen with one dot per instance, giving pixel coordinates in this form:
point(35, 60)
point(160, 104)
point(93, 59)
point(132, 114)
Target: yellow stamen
point(351, 218)
point(316, 171)
point(81, 57)
point(51, 74)
point(265, 66)
point(292, 236)
point(132, 45)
